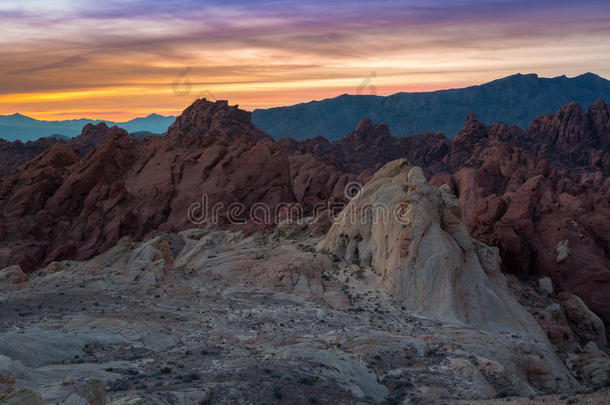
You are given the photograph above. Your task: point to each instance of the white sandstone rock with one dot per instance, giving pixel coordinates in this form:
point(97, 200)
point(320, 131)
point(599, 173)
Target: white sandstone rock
point(562, 251)
point(412, 235)
point(546, 285)
point(424, 253)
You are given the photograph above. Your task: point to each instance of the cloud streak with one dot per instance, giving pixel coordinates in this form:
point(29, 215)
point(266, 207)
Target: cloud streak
point(66, 57)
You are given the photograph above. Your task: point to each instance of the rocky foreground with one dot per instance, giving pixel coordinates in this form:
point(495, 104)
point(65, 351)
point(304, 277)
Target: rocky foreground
point(541, 195)
point(409, 311)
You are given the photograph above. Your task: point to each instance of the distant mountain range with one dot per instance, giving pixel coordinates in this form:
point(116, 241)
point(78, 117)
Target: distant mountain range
point(23, 128)
point(516, 99)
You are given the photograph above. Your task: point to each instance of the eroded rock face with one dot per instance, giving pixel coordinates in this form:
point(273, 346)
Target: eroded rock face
point(58, 206)
point(545, 221)
point(315, 182)
point(370, 146)
point(572, 137)
point(13, 154)
point(203, 120)
point(12, 275)
point(261, 316)
point(541, 195)
point(93, 136)
point(586, 325)
point(423, 251)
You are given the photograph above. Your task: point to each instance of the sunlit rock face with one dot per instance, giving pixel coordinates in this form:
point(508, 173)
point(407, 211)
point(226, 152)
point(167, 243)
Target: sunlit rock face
point(411, 234)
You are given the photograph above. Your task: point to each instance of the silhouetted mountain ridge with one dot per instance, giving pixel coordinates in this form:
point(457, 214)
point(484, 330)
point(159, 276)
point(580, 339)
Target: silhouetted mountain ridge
point(21, 127)
point(515, 100)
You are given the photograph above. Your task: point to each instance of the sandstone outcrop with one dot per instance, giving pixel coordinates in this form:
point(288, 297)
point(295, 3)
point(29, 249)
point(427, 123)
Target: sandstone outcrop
point(212, 315)
point(411, 234)
point(315, 183)
point(586, 325)
point(369, 147)
point(213, 165)
point(13, 154)
point(93, 136)
point(541, 195)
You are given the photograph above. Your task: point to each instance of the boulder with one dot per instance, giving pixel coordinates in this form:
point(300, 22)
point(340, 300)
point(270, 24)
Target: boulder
point(12, 275)
point(587, 326)
point(593, 367)
point(546, 285)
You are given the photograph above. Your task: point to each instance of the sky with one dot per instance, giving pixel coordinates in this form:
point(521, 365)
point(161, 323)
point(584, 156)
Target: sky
point(116, 60)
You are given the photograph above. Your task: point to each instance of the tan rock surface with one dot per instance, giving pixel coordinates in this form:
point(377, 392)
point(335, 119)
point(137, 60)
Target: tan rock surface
point(429, 264)
point(221, 317)
point(12, 275)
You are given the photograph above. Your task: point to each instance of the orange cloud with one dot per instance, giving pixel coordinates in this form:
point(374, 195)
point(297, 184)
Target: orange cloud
point(128, 59)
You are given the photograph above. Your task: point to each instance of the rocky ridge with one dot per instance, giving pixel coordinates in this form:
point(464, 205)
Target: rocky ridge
point(541, 195)
point(210, 316)
point(59, 206)
point(14, 154)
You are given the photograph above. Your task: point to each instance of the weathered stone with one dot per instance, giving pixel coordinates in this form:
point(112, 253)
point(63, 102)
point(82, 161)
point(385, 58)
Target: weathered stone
point(12, 275)
point(587, 326)
point(546, 285)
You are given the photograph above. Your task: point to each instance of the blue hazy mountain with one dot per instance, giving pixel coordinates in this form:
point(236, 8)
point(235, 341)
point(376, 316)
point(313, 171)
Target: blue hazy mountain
point(516, 99)
point(17, 126)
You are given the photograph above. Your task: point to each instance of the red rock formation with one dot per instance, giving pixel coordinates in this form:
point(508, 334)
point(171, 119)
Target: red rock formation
point(315, 182)
point(370, 146)
point(92, 136)
point(57, 206)
point(570, 139)
point(465, 142)
point(541, 195)
point(13, 154)
point(204, 120)
point(538, 194)
point(547, 217)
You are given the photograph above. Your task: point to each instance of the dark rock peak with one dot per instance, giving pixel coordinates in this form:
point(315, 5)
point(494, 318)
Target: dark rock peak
point(97, 130)
point(93, 136)
point(472, 130)
point(90, 126)
point(599, 117)
point(570, 110)
point(213, 119)
point(599, 104)
point(472, 117)
point(320, 139)
point(363, 125)
point(367, 132)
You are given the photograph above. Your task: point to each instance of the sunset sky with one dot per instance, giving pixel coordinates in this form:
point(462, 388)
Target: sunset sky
point(118, 60)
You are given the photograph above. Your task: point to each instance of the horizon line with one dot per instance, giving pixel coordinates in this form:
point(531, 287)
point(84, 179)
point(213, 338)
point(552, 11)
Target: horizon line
point(32, 116)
